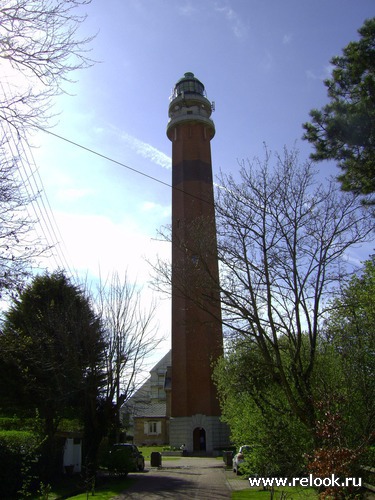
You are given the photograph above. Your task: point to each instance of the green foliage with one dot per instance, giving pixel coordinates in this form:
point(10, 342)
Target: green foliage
point(278, 442)
point(258, 415)
point(350, 331)
point(18, 454)
point(147, 450)
point(344, 129)
point(112, 488)
point(283, 239)
point(16, 440)
point(369, 457)
point(344, 383)
point(287, 493)
point(51, 357)
point(15, 423)
point(332, 457)
point(120, 461)
point(51, 344)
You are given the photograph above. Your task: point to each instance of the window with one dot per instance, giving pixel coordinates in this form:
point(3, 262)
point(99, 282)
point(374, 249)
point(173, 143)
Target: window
point(152, 428)
point(161, 393)
point(192, 86)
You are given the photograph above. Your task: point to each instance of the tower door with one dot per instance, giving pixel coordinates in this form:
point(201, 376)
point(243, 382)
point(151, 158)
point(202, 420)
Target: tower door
point(199, 439)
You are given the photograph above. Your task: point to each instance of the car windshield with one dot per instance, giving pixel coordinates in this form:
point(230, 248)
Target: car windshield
point(126, 447)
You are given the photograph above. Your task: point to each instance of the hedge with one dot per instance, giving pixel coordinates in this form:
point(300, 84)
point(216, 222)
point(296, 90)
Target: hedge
point(17, 459)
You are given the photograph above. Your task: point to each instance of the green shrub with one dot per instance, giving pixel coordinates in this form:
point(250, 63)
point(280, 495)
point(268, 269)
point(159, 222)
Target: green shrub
point(120, 461)
point(18, 461)
point(369, 457)
point(9, 423)
point(16, 424)
point(103, 453)
point(17, 439)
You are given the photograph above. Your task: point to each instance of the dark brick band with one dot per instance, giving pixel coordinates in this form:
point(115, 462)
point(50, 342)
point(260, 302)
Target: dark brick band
point(191, 170)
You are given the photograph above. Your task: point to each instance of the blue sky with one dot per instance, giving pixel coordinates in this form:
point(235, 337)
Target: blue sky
point(263, 63)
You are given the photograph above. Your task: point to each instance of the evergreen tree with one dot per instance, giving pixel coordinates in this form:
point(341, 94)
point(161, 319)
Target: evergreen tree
point(344, 129)
point(51, 354)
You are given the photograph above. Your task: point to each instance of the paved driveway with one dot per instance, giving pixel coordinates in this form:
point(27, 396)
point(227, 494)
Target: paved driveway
point(185, 478)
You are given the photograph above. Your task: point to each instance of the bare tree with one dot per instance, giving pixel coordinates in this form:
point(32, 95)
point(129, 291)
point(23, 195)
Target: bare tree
point(20, 246)
point(40, 49)
point(130, 336)
point(284, 240)
point(283, 243)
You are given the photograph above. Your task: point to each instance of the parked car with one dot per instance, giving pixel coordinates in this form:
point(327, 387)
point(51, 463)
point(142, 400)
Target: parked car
point(125, 458)
point(239, 458)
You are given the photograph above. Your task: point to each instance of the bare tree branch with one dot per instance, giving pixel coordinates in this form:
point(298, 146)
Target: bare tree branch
point(130, 335)
point(20, 245)
point(39, 50)
point(283, 241)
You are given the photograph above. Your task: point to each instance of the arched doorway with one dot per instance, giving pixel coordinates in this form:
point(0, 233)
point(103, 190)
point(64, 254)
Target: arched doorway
point(199, 439)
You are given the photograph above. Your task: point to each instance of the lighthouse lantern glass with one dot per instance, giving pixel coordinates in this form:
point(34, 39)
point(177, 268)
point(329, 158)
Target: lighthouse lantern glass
point(189, 86)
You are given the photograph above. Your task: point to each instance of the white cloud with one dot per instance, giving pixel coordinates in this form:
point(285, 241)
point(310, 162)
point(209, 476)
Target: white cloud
point(95, 246)
point(220, 7)
point(98, 247)
point(95, 243)
point(310, 75)
point(74, 194)
point(187, 10)
point(156, 208)
point(267, 61)
point(142, 148)
point(234, 20)
point(325, 73)
point(287, 38)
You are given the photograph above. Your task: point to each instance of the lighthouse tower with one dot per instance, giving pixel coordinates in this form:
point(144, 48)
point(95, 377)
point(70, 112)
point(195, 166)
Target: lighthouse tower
point(197, 339)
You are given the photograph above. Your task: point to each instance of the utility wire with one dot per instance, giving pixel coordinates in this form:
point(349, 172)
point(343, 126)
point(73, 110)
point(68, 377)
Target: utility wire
point(46, 210)
point(108, 158)
point(38, 198)
point(30, 177)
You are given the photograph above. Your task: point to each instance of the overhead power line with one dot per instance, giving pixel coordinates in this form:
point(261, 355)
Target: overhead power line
point(121, 164)
point(46, 226)
point(33, 184)
point(85, 148)
point(39, 203)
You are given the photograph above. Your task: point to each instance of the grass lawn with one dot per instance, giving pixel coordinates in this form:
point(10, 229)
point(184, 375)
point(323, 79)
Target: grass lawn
point(147, 450)
point(289, 494)
point(112, 488)
point(106, 489)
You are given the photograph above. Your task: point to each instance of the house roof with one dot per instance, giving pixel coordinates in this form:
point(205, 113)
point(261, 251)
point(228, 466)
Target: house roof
point(147, 400)
point(152, 410)
point(163, 363)
point(168, 379)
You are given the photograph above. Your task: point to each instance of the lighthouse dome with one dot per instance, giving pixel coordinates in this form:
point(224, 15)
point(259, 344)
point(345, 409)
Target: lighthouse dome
point(189, 104)
point(188, 84)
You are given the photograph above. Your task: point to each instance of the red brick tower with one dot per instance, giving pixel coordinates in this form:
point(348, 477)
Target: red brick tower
point(196, 318)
